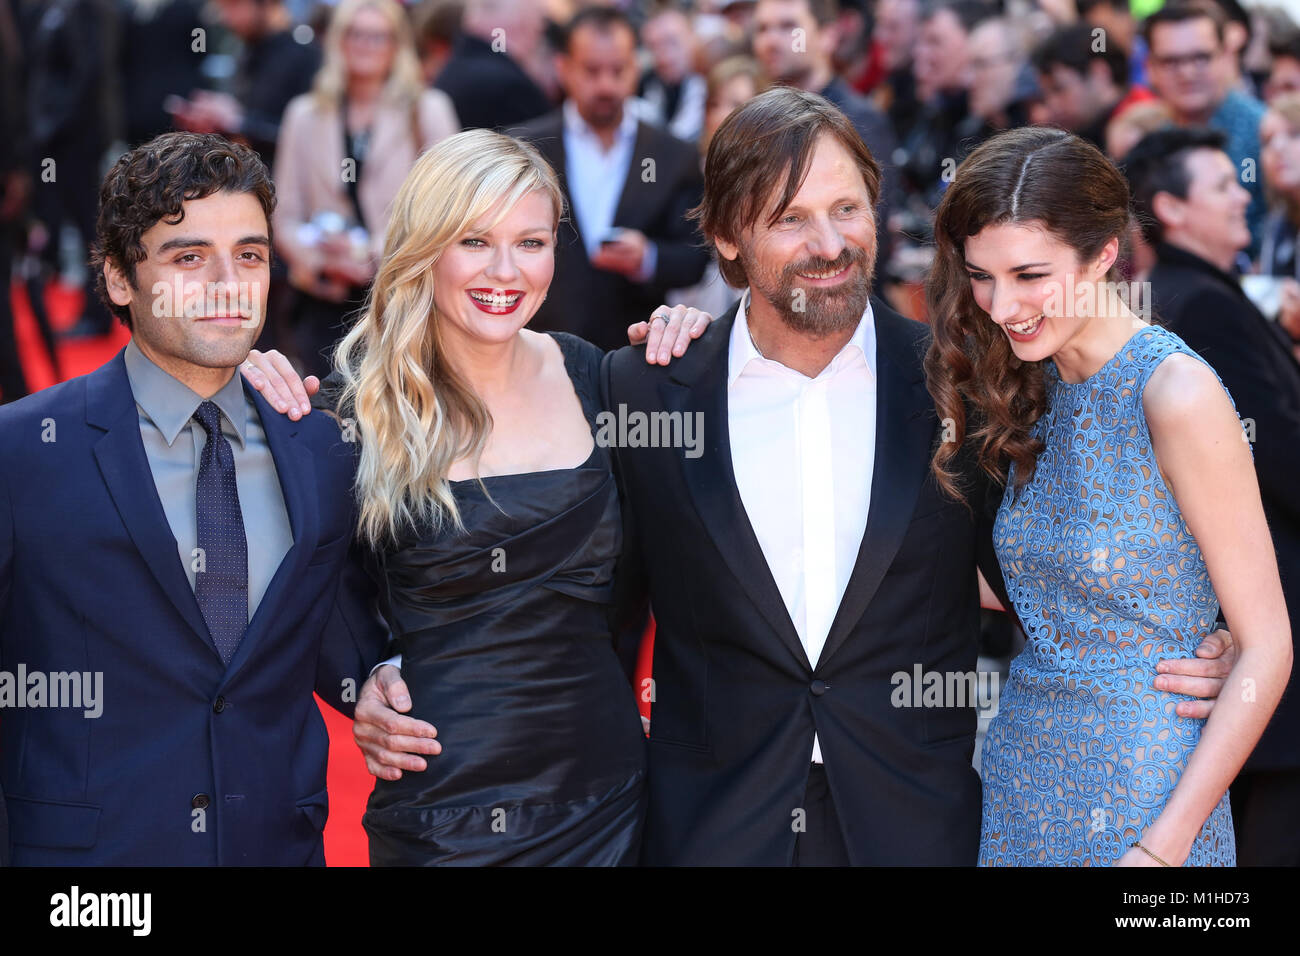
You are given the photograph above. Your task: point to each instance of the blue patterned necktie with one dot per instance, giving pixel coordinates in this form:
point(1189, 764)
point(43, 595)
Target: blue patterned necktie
point(222, 586)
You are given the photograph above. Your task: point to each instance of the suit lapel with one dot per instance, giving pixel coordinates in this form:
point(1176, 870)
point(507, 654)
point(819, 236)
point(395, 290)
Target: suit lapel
point(699, 384)
point(120, 454)
point(903, 445)
point(633, 187)
point(295, 468)
point(550, 143)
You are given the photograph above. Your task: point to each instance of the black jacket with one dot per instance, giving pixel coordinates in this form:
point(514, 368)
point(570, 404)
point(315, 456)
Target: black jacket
point(1207, 309)
point(599, 305)
point(489, 89)
point(736, 701)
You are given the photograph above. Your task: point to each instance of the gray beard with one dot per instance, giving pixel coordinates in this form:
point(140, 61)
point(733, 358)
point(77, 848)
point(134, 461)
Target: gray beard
point(825, 311)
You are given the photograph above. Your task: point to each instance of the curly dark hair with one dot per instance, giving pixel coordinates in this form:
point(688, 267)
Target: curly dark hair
point(149, 184)
point(1026, 175)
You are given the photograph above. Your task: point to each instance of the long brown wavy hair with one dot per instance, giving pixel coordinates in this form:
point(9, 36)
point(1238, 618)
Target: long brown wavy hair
point(1036, 175)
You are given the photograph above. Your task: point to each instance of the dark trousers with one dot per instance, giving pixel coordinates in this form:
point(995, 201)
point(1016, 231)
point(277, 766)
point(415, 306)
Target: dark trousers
point(1266, 817)
point(821, 843)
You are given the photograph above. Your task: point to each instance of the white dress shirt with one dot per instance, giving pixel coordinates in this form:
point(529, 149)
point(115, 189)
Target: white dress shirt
point(803, 451)
point(595, 178)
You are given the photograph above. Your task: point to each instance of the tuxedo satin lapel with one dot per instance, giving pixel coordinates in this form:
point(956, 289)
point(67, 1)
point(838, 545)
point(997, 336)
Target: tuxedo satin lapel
point(295, 468)
point(701, 386)
point(124, 466)
point(903, 445)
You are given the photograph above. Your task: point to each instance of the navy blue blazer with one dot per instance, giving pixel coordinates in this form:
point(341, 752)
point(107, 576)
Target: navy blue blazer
point(190, 762)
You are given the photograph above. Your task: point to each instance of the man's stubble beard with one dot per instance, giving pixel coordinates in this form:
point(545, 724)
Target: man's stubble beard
point(181, 345)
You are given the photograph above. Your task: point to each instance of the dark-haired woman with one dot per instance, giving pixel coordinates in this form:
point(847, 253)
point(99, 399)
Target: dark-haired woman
point(1131, 514)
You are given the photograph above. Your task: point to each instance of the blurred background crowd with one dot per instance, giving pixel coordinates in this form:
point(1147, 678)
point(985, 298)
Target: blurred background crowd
point(339, 98)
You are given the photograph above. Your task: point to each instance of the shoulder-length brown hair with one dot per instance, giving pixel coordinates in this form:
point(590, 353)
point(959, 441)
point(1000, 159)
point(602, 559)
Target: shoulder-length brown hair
point(1052, 179)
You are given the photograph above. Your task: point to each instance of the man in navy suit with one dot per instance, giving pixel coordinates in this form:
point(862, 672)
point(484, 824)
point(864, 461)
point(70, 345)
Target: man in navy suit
point(175, 567)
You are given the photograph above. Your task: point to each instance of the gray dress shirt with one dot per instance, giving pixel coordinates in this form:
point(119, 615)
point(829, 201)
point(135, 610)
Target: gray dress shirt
point(174, 443)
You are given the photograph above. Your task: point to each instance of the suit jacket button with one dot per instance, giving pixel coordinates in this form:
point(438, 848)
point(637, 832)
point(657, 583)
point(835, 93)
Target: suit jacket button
point(819, 687)
point(219, 705)
point(200, 801)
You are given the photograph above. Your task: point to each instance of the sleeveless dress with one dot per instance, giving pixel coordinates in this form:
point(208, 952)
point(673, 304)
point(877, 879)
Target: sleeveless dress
point(507, 649)
point(1107, 580)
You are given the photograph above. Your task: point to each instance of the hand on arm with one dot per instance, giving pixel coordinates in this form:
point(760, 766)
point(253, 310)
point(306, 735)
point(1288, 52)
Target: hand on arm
point(1201, 676)
point(389, 741)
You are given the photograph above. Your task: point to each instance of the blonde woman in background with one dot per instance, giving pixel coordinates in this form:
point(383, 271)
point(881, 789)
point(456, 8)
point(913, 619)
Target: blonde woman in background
point(343, 151)
point(491, 510)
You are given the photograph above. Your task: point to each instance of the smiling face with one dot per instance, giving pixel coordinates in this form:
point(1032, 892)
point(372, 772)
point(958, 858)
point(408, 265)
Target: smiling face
point(200, 292)
point(1184, 64)
point(1211, 221)
point(1027, 281)
point(815, 263)
point(490, 282)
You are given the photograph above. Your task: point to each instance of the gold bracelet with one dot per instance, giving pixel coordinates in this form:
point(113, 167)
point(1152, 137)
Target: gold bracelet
point(1139, 845)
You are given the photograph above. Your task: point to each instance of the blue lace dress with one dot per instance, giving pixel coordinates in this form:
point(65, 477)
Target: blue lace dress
point(1107, 580)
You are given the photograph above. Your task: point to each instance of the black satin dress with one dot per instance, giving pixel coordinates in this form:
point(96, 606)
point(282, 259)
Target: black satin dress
point(507, 649)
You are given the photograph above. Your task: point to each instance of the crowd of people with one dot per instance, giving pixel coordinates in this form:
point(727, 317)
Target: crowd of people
point(824, 191)
point(348, 105)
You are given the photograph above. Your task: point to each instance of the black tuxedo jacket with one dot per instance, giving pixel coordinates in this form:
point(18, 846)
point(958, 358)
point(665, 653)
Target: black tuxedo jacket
point(599, 305)
point(736, 701)
point(1206, 308)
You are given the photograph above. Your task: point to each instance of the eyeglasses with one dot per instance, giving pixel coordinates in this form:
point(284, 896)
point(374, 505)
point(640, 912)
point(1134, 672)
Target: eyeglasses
point(368, 37)
point(1199, 60)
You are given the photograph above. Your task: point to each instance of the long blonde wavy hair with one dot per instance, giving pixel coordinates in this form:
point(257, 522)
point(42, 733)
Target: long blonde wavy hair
point(414, 412)
point(405, 82)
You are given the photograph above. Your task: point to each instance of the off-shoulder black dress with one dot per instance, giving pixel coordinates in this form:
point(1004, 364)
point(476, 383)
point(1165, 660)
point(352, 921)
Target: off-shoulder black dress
point(507, 649)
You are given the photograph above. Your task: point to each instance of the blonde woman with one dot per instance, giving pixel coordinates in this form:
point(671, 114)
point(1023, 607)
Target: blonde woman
point(343, 151)
point(494, 520)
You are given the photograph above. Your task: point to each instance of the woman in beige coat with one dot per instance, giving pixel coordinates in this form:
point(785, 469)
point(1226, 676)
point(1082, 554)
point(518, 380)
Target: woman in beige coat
point(344, 150)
